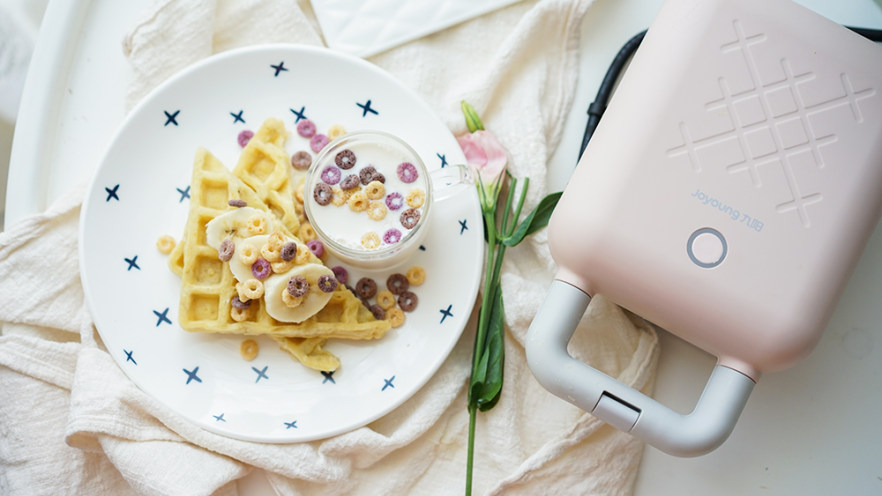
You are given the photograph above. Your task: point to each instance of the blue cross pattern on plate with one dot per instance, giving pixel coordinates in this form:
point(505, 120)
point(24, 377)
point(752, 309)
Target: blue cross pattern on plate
point(186, 370)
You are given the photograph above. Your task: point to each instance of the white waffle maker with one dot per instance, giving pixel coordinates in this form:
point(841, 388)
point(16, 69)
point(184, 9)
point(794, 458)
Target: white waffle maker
point(725, 196)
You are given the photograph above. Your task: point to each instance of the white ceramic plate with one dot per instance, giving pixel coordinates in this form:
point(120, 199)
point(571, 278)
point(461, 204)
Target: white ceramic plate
point(140, 192)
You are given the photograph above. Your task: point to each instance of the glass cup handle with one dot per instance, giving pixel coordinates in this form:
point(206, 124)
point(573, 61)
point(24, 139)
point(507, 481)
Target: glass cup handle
point(450, 180)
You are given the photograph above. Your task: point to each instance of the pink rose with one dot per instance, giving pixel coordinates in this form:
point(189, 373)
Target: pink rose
point(487, 159)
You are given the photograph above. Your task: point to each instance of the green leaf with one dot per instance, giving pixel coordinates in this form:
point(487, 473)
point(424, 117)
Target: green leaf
point(473, 121)
point(493, 359)
point(476, 385)
point(537, 219)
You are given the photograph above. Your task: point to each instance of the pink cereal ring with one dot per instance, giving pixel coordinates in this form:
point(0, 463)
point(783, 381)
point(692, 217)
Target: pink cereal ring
point(260, 269)
point(340, 273)
point(317, 142)
point(331, 175)
point(316, 247)
point(392, 236)
point(306, 128)
point(394, 200)
point(407, 172)
point(244, 137)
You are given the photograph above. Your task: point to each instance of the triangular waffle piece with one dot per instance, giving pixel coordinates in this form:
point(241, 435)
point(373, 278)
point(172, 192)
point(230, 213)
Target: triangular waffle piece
point(264, 165)
point(208, 285)
point(309, 352)
point(272, 131)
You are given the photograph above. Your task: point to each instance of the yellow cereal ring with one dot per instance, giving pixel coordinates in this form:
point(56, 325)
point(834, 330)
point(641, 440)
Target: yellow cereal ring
point(239, 314)
point(377, 210)
point(276, 240)
point(339, 197)
point(370, 240)
point(271, 254)
point(247, 254)
point(416, 275)
point(395, 316)
point(165, 244)
point(282, 266)
point(307, 232)
point(256, 224)
point(303, 254)
point(416, 198)
point(386, 299)
point(298, 193)
point(358, 202)
point(375, 190)
point(251, 289)
point(336, 131)
point(248, 349)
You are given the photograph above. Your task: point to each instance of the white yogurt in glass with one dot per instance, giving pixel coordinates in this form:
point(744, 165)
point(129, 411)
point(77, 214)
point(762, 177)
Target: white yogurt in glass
point(380, 221)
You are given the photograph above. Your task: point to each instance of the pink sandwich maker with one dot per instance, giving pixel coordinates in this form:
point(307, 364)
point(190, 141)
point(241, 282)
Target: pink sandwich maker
point(725, 196)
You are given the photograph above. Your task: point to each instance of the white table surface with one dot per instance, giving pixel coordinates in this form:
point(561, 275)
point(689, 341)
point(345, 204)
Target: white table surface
point(811, 429)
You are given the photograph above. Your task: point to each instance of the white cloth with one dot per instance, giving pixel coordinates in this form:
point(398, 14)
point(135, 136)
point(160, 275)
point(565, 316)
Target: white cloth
point(72, 423)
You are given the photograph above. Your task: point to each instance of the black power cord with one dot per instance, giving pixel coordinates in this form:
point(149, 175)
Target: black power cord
point(598, 106)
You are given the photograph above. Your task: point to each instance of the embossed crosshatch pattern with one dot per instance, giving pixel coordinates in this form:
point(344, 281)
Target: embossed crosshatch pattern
point(776, 135)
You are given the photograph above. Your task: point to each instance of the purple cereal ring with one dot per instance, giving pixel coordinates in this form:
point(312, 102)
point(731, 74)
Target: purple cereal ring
point(408, 301)
point(392, 236)
point(349, 182)
point(317, 142)
point(260, 269)
point(244, 137)
point(378, 311)
point(225, 250)
point(397, 283)
point(237, 203)
point(327, 284)
point(331, 175)
point(316, 247)
point(323, 194)
point(297, 286)
point(239, 304)
point(394, 200)
point(340, 273)
point(301, 160)
point(345, 159)
point(367, 174)
point(407, 172)
point(365, 288)
point(410, 218)
point(379, 177)
point(288, 251)
point(306, 128)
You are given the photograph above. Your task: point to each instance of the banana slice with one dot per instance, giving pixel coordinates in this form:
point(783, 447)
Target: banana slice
point(240, 270)
point(235, 224)
point(314, 300)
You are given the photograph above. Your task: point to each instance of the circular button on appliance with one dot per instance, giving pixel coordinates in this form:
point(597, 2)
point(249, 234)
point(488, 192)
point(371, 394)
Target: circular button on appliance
point(707, 248)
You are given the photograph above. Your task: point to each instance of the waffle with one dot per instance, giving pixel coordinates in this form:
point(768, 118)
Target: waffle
point(264, 165)
point(309, 352)
point(272, 132)
point(176, 259)
point(208, 285)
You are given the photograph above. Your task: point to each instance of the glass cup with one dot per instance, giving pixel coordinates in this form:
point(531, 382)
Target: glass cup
point(369, 197)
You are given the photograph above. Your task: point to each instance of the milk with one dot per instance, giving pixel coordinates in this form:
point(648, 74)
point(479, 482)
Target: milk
point(377, 232)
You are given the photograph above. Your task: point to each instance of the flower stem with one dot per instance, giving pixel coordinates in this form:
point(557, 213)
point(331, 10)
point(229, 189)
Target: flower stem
point(471, 450)
point(480, 338)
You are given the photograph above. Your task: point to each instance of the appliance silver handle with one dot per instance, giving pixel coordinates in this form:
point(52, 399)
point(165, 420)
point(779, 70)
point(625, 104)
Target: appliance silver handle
point(625, 408)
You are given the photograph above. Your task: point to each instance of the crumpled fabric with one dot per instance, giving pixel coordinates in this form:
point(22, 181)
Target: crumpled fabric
point(72, 422)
